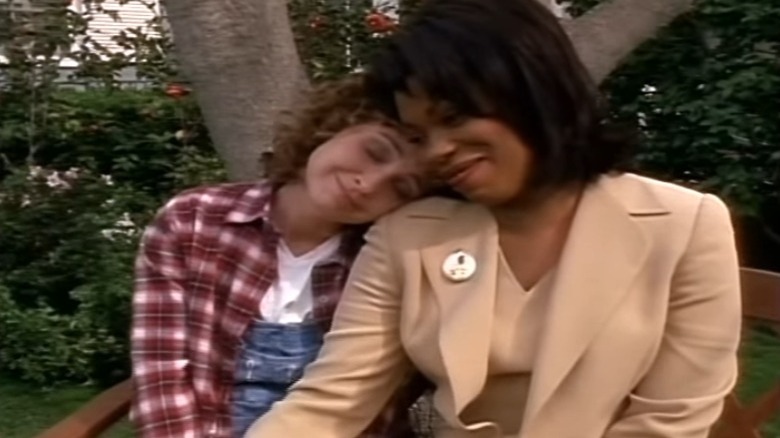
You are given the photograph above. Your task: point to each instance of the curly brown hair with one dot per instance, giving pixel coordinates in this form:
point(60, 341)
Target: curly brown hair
point(327, 109)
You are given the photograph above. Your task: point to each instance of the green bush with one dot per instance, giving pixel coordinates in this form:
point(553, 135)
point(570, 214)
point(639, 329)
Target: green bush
point(700, 93)
point(71, 222)
point(42, 346)
point(83, 166)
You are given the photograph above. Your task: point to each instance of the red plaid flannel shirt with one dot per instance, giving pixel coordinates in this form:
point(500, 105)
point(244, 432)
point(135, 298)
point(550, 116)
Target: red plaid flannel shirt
point(202, 269)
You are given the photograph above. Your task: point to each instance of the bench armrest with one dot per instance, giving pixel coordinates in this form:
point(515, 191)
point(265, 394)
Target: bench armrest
point(95, 417)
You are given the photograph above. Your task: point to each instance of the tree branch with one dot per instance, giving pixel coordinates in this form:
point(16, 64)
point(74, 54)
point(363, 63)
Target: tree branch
point(605, 35)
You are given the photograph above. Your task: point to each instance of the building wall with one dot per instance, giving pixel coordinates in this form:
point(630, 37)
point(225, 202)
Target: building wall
point(108, 19)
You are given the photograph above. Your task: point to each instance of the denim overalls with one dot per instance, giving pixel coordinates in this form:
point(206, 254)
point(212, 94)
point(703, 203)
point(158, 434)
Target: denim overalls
point(272, 357)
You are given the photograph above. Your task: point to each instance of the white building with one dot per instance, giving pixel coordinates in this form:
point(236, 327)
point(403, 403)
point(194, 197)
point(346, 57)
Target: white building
point(107, 20)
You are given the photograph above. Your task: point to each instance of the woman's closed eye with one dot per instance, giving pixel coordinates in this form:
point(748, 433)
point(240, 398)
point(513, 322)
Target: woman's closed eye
point(379, 151)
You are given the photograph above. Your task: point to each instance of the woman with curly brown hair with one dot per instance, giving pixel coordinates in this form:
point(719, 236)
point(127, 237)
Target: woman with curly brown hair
point(236, 283)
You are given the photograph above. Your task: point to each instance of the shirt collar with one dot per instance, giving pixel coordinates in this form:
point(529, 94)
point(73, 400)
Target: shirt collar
point(351, 242)
point(255, 205)
point(252, 205)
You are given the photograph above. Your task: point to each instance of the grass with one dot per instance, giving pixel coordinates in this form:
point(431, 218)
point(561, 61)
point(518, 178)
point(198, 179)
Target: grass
point(760, 370)
point(26, 410)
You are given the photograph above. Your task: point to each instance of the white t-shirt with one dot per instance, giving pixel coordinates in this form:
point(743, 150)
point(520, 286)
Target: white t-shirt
point(289, 299)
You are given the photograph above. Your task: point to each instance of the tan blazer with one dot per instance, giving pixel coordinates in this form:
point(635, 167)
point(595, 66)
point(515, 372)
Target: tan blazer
point(640, 339)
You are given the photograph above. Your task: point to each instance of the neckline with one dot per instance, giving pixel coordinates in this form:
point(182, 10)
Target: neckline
point(324, 249)
point(543, 280)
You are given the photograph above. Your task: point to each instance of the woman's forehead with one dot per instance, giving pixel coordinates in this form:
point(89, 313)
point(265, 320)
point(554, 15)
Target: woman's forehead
point(416, 98)
point(415, 110)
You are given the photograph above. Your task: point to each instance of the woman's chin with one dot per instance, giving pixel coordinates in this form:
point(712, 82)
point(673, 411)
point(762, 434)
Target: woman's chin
point(487, 198)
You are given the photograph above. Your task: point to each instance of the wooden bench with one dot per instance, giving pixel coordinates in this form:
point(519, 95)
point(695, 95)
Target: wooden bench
point(761, 311)
point(95, 417)
point(761, 307)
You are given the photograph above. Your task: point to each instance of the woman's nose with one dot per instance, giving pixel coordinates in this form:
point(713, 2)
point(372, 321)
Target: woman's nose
point(439, 149)
point(367, 183)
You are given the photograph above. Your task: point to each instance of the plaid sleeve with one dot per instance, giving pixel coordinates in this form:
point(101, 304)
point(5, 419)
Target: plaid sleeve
point(395, 420)
point(164, 404)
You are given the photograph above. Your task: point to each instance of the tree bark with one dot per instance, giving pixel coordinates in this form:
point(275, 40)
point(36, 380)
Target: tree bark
point(241, 59)
point(605, 35)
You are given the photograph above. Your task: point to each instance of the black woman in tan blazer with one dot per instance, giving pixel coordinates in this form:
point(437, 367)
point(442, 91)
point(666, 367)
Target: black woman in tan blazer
point(561, 297)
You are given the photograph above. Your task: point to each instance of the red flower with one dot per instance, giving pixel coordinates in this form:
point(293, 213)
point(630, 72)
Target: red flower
point(317, 22)
point(176, 91)
point(379, 22)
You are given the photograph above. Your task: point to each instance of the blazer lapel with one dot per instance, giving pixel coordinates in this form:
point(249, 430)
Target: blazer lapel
point(466, 308)
point(605, 250)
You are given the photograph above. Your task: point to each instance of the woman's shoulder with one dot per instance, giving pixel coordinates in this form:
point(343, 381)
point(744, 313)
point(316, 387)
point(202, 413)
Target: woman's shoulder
point(675, 198)
point(237, 202)
point(432, 206)
point(433, 218)
point(435, 209)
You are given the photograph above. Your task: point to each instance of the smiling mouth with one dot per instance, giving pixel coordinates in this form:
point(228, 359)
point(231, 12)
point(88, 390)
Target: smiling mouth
point(457, 173)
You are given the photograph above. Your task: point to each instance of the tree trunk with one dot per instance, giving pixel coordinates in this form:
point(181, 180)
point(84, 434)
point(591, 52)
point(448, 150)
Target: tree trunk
point(241, 58)
point(609, 32)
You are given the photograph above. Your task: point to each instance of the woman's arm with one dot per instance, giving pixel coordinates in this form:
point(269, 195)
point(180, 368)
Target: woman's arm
point(164, 405)
point(682, 394)
point(361, 363)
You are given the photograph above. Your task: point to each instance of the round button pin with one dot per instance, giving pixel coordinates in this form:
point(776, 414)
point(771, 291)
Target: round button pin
point(459, 266)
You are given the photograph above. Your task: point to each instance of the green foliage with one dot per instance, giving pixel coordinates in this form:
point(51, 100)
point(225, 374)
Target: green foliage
point(28, 409)
point(136, 136)
point(71, 225)
point(43, 346)
point(337, 38)
point(702, 94)
point(83, 166)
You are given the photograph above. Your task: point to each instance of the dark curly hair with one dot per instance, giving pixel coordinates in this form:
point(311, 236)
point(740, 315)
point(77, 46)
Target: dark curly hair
point(327, 109)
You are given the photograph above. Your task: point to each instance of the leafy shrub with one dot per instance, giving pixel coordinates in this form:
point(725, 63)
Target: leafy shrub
point(39, 345)
point(71, 224)
point(700, 93)
point(84, 162)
